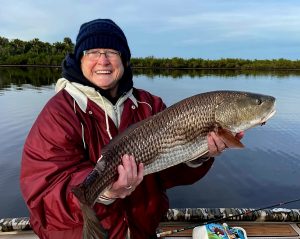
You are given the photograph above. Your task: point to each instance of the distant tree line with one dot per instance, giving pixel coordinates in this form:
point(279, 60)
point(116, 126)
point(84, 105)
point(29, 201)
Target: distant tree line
point(33, 52)
point(36, 52)
point(226, 63)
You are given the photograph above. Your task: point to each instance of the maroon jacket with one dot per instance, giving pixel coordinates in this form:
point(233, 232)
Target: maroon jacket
point(55, 159)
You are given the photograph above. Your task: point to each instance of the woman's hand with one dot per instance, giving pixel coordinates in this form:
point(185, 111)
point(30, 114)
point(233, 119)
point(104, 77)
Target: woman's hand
point(216, 145)
point(130, 176)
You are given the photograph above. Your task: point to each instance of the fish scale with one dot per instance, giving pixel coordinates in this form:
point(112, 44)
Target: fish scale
point(176, 135)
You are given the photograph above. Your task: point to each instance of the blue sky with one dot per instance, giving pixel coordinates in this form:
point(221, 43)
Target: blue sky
point(211, 29)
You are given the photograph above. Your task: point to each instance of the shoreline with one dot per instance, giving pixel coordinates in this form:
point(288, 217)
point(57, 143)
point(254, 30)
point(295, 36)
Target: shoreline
point(170, 68)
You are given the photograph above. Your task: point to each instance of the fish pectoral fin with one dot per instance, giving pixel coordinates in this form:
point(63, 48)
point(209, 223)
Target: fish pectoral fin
point(229, 139)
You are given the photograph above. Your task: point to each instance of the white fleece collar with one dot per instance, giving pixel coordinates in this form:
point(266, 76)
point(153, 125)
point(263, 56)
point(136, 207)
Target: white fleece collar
point(81, 94)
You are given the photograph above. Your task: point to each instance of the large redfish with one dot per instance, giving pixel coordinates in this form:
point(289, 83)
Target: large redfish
point(176, 135)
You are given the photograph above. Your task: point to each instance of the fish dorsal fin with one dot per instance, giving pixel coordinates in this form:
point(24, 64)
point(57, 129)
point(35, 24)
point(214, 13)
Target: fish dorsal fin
point(229, 139)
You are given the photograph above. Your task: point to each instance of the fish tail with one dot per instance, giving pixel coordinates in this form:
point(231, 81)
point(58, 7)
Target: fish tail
point(92, 228)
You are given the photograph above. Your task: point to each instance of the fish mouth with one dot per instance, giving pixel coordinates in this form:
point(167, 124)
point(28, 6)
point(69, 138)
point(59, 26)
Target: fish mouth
point(266, 118)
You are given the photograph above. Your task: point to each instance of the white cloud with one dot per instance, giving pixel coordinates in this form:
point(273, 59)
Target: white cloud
point(162, 27)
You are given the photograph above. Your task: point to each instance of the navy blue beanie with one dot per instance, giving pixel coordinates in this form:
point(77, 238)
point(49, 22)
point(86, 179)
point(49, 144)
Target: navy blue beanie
point(101, 33)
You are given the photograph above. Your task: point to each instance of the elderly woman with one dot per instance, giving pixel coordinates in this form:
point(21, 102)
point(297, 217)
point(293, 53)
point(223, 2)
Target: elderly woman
point(95, 101)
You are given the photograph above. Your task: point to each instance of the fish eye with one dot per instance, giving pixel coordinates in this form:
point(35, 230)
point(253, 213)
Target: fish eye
point(258, 101)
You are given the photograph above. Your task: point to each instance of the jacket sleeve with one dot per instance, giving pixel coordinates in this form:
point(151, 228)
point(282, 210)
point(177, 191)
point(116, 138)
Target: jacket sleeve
point(52, 163)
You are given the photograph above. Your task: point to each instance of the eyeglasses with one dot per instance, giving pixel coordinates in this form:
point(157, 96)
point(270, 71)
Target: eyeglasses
point(94, 55)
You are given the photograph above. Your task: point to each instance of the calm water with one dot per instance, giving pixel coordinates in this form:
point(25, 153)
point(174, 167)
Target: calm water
point(265, 172)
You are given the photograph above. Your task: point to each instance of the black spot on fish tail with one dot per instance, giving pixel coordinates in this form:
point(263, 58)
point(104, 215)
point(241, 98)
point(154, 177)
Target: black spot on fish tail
point(80, 190)
point(79, 193)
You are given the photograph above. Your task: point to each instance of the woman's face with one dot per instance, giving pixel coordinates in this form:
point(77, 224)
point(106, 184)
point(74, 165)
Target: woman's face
point(103, 67)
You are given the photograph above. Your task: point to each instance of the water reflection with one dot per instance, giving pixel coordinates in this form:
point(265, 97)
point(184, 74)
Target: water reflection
point(265, 172)
point(26, 77)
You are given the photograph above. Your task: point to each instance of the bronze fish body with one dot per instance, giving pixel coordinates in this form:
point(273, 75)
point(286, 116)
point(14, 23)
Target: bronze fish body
point(178, 134)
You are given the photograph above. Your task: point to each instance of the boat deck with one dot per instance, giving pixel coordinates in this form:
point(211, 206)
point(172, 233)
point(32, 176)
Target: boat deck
point(255, 230)
point(261, 230)
point(278, 223)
